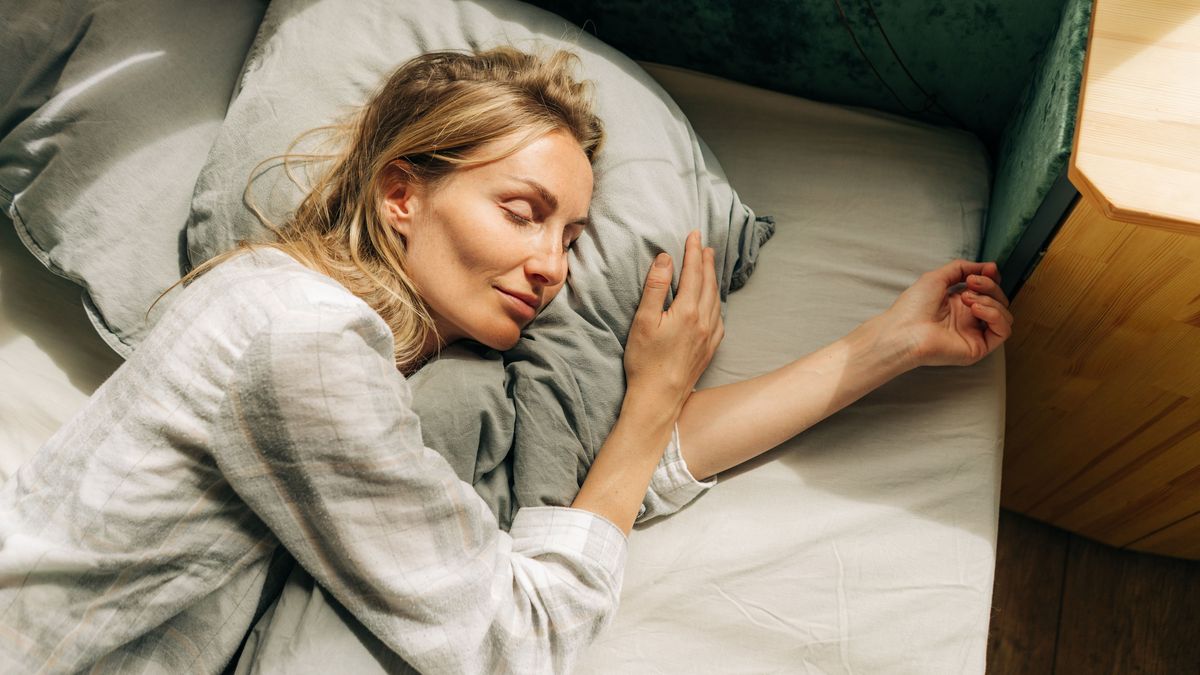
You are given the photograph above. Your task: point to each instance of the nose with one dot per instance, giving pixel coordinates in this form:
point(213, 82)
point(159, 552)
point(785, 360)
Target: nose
point(547, 264)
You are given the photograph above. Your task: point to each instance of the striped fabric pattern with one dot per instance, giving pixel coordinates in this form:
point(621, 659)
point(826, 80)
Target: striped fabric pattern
point(264, 410)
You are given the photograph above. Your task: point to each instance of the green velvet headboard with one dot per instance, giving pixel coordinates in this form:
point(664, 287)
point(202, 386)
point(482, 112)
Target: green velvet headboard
point(1006, 70)
point(1036, 144)
point(973, 57)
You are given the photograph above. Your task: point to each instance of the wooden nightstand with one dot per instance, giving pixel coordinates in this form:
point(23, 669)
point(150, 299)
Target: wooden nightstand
point(1103, 426)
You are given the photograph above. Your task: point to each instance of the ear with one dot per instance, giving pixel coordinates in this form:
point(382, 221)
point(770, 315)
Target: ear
point(399, 199)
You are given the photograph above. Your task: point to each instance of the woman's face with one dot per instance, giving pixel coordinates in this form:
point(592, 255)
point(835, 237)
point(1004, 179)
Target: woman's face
point(487, 248)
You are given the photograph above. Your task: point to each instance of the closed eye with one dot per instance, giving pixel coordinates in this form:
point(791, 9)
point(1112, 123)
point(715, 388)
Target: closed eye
point(521, 207)
point(516, 217)
point(522, 220)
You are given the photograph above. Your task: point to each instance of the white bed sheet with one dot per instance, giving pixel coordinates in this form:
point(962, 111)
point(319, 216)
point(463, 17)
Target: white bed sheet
point(865, 545)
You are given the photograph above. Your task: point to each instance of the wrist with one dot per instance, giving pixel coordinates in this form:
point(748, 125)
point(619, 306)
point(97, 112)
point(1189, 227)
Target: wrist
point(618, 479)
point(895, 350)
point(651, 408)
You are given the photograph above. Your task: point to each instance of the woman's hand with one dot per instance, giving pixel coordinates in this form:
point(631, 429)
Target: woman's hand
point(664, 356)
point(939, 323)
point(667, 351)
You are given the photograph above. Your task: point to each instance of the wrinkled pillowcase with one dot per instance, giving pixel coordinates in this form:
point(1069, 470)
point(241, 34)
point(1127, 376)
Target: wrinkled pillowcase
point(107, 112)
point(315, 60)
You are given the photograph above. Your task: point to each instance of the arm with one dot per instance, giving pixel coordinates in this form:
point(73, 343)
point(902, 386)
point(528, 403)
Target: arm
point(665, 354)
point(318, 438)
point(617, 481)
point(713, 429)
point(929, 324)
point(672, 486)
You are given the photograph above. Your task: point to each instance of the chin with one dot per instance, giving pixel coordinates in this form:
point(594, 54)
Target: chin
point(501, 340)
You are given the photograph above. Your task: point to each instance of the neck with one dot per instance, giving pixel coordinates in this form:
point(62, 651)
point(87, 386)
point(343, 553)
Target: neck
point(429, 349)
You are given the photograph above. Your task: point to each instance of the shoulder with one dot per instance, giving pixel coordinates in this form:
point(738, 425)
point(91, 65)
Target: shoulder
point(307, 347)
point(266, 295)
point(270, 275)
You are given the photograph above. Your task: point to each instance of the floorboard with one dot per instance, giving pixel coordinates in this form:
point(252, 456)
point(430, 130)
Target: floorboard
point(1126, 612)
point(1063, 604)
point(1030, 561)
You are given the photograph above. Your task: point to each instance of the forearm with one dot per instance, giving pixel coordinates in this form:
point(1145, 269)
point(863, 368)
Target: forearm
point(724, 426)
point(617, 481)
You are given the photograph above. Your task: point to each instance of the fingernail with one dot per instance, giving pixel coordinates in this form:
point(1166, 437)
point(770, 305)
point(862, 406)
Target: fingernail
point(661, 260)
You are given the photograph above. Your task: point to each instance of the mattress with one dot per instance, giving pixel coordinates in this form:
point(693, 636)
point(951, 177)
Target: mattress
point(867, 543)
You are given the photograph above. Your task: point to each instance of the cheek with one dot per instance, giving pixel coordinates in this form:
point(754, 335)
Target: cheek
point(472, 239)
point(457, 243)
point(484, 257)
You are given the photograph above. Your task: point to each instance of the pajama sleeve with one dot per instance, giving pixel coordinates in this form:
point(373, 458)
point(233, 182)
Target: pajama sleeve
point(319, 439)
point(672, 486)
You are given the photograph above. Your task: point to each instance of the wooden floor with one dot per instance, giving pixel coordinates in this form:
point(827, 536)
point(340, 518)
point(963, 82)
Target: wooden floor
point(1064, 604)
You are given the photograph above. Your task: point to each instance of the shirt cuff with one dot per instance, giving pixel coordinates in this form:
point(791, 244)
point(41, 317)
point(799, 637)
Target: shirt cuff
point(537, 530)
point(672, 486)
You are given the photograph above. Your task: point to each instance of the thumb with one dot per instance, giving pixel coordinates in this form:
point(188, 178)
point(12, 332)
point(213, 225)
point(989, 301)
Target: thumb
point(658, 282)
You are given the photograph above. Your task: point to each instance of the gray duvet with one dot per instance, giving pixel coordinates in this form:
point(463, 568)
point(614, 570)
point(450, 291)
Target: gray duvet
point(524, 426)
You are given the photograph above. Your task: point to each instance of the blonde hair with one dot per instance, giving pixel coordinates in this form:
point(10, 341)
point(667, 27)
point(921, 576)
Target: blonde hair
point(428, 119)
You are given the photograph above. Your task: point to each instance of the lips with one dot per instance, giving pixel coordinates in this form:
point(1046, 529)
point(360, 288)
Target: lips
point(518, 306)
point(528, 298)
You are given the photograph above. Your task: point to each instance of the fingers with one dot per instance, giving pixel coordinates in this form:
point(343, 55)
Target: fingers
point(697, 293)
point(989, 310)
point(957, 271)
point(987, 286)
point(992, 271)
point(708, 291)
point(691, 278)
point(712, 300)
point(654, 294)
point(698, 280)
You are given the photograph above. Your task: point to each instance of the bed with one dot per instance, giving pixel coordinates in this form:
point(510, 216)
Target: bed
point(866, 544)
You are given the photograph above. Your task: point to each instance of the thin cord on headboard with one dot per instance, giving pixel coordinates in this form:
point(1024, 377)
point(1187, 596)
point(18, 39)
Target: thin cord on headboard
point(930, 102)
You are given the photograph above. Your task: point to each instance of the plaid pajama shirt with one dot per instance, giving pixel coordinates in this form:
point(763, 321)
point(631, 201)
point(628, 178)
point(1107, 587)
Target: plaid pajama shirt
point(265, 410)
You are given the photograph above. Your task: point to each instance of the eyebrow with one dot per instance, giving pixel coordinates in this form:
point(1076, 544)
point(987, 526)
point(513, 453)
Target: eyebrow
point(550, 199)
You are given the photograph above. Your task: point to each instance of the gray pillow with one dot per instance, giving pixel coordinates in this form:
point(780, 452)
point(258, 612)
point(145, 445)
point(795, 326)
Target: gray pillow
point(315, 60)
point(107, 111)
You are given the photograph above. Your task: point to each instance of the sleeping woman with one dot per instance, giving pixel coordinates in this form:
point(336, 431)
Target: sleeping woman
point(268, 410)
